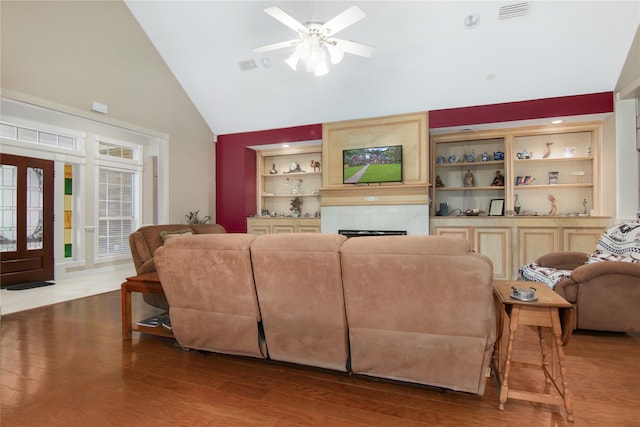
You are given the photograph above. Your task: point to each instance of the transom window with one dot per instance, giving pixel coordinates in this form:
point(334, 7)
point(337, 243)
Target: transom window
point(118, 192)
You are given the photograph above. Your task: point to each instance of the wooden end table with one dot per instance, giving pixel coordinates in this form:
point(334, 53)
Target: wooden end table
point(146, 284)
point(542, 313)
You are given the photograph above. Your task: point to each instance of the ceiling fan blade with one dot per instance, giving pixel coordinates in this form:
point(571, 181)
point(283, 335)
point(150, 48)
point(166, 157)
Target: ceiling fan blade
point(286, 19)
point(353, 47)
point(276, 46)
point(343, 20)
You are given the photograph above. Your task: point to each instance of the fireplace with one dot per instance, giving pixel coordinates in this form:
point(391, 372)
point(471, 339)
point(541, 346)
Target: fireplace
point(405, 219)
point(360, 233)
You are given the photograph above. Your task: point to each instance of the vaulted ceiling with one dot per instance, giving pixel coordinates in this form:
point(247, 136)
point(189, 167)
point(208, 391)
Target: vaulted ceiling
point(425, 57)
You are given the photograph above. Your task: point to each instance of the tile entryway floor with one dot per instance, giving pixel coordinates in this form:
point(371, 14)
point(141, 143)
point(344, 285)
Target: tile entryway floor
point(76, 285)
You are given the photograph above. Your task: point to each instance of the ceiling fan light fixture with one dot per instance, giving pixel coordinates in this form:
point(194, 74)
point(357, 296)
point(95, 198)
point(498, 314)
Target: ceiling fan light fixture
point(313, 41)
point(292, 61)
point(321, 69)
point(335, 53)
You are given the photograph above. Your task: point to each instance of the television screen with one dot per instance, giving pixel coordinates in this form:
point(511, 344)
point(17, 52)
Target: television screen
point(372, 165)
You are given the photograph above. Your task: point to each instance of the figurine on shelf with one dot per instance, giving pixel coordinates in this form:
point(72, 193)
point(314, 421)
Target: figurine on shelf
point(470, 157)
point(315, 165)
point(439, 182)
point(548, 152)
point(469, 179)
point(273, 170)
point(296, 207)
point(553, 205)
point(498, 180)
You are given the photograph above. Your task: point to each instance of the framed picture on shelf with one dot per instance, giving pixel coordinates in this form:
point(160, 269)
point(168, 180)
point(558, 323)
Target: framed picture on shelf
point(496, 207)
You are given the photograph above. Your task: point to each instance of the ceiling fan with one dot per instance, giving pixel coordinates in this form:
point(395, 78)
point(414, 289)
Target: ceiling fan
point(315, 39)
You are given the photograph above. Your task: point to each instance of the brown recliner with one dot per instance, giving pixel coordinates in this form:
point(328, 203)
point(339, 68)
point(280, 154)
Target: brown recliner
point(299, 285)
point(604, 286)
point(419, 309)
point(147, 239)
point(208, 281)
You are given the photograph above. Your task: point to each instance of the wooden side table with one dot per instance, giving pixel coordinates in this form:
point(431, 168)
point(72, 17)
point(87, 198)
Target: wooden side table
point(542, 313)
point(146, 284)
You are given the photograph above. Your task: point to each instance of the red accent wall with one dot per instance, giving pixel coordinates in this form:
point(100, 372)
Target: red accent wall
point(236, 171)
point(594, 103)
point(236, 164)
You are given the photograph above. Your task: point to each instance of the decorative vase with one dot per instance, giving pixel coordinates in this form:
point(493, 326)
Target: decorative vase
point(516, 206)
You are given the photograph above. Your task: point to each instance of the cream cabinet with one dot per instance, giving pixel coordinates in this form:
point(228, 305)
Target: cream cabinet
point(493, 242)
point(511, 242)
point(260, 226)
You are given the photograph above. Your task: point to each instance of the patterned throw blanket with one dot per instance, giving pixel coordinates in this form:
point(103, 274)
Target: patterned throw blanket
point(619, 243)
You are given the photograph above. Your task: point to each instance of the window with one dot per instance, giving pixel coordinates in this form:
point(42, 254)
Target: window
point(36, 136)
point(118, 191)
point(116, 211)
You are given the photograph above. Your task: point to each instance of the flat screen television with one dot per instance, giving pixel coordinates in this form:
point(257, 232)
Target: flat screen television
point(372, 165)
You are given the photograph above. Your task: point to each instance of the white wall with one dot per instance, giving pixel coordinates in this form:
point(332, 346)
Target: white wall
point(627, 161)
point(70, 53)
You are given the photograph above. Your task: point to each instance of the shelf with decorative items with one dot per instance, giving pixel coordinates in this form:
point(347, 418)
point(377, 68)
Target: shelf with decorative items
point(555, 172)
point(468, 172)
point(288, 186)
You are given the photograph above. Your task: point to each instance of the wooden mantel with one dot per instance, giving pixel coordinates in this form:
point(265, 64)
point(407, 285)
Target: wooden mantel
point(362, 195)
point(408, 130)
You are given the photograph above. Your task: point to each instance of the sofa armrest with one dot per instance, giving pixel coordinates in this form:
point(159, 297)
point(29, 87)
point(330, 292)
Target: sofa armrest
point(590, 271)
point(567, 289)
point(140, 252)
point(563, 260)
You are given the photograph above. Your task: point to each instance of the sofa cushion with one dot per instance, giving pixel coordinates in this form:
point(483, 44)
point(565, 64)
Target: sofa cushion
point(299, 286)
point(419, 309)
point(208, 281)
point(165, 235)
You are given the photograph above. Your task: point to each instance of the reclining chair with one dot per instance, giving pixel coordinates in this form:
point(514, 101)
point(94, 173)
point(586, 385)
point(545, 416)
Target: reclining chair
point(604, 286)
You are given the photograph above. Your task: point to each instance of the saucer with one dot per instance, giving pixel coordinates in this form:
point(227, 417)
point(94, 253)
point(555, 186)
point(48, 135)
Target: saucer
point(524, 298)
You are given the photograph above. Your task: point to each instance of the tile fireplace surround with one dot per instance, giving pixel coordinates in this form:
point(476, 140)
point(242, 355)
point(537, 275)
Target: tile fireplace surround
point(414, 219)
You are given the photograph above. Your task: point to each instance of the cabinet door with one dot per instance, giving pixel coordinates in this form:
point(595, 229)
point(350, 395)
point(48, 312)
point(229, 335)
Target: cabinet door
point(535, 242)
point(308, 229)
point(258, 229)
point(282, 228)
point(461, 232)
point(581, 239)
point(495, 243)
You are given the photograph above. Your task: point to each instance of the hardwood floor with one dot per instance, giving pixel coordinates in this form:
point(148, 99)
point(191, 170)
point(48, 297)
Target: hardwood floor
point(66, 365)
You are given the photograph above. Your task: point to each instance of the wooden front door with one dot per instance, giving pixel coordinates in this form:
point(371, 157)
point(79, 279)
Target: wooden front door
point(26, 220)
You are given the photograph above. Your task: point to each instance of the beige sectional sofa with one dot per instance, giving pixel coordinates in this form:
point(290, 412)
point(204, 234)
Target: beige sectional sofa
point(412, 308)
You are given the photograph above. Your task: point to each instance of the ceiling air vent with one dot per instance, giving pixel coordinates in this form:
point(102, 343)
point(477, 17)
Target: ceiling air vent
point(514, 10)
point(248, 65)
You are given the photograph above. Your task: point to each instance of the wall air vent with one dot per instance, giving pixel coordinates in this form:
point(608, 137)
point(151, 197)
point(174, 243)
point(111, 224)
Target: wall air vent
point(514, 10)
point(247, 65)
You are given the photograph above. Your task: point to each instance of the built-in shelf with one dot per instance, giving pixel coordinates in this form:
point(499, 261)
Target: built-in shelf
point(467, 164)
point(493, 187)
point(550, 186)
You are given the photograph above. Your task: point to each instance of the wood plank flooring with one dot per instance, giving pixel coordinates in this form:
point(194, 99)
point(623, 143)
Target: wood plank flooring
point(66, 365)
